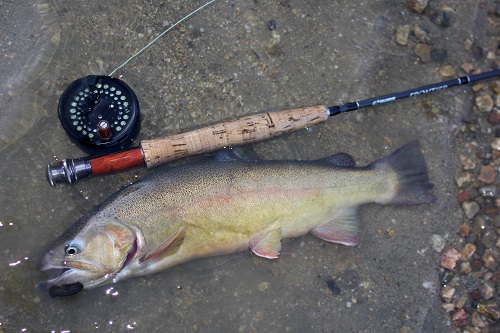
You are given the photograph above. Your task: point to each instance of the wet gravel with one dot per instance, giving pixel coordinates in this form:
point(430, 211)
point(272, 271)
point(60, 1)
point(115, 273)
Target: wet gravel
point(470, 278)
point(470, 255)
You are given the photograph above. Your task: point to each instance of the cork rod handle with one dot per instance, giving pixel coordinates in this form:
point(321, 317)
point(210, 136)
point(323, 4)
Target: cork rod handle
point(235, 132)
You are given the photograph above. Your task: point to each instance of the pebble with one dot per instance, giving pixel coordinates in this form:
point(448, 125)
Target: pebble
point(334, 288)
point(496, 224)
point(467, 67)
point(487, 290)
point(475, 294)
point(423, 51)
point(464, 230)
point(495, 86)
point(489, 238)
point(489, 311)
point(263, 286)
point(465, 268)
point(471, 208)
point(447, 293)
point(460, 302)
point(271, 25)
point(459, 318)
point(439, 54)
point(496, 144)
point(402, 34)
point(463, 179)
point(489, 262)
point(494, 117)
point(418, 5)
point(487, 174)
point(480, 222)
point(484, 103)
point(421, 35)
point(449, 258)
point(467, 162)
point(443, 16)
point(477, 87)
point(438, 243)
point(448, 307)
point(447, 71)
point(476, 320)
point(272, 46)
point(476, 265)
point(467, 251)
point(464, 196)
point(488, 191)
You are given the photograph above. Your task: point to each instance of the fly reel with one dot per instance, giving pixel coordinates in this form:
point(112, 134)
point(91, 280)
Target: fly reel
point(100, 113)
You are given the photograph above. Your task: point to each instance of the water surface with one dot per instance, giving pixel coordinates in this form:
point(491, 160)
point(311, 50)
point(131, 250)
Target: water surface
point(223, 63)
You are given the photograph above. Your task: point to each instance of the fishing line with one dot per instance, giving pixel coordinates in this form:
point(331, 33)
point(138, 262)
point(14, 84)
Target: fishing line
point(159, 36)
point(101, 113)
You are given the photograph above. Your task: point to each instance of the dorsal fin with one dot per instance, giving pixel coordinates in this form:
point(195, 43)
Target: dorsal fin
point(236, 154)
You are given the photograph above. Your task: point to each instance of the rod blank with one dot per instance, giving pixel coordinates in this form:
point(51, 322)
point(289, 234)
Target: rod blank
point(336, 109)
point(247, 129)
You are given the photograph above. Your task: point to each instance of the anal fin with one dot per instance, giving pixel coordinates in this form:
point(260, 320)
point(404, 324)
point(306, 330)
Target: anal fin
point(343, 228)
point(169, 247)
point(267, 244)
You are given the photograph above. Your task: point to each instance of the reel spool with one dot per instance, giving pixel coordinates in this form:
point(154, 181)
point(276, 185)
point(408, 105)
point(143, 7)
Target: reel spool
point(100, 114)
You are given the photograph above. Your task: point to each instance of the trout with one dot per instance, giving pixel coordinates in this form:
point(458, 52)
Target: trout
point(224, 205)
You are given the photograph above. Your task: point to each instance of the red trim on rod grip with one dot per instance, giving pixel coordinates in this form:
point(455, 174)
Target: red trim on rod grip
point(117, 161)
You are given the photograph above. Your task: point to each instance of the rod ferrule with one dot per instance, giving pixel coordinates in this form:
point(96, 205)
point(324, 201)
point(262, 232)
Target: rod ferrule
point(68, 170)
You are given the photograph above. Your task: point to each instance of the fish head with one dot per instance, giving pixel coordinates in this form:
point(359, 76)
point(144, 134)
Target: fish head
point(89, 254)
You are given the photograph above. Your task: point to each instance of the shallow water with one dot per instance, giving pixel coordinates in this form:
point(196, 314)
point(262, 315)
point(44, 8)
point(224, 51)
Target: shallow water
point(223, 63)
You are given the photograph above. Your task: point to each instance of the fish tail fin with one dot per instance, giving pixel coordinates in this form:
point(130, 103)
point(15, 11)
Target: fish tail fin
point(413, 186)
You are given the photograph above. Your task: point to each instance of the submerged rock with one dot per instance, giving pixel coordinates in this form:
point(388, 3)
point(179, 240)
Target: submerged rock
point(449, 258)
point(418, 5)
point(402, 34)
point(484, 103)
point(423, 51)
point(438, 243)
point(471, 208)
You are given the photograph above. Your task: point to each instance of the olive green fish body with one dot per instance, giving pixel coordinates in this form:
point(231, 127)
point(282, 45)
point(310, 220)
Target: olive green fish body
point(220, 207)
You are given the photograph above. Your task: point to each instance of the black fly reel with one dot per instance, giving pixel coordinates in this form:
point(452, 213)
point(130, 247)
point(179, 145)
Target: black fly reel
point(100, 113)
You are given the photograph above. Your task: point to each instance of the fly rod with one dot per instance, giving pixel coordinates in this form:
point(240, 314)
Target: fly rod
point(243, 130)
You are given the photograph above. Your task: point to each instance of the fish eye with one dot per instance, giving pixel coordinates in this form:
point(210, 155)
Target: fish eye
point(71, 249)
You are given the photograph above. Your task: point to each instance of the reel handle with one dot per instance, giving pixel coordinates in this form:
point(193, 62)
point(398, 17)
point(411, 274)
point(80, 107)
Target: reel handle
point(247, 129)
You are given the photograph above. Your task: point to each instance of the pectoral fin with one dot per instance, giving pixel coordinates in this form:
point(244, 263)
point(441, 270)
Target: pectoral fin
point(343, 228)
point(267, 244)
point(169, 247)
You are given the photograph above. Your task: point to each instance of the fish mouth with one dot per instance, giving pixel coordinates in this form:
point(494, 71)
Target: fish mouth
point(68, 281)
point(65, 289)
point(58, 274)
